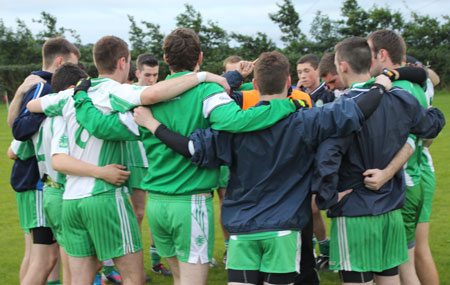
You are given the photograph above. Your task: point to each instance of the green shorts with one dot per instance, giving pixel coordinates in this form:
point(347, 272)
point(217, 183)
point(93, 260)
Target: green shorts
point(182, 226)
point(102, 225)
point(52, 205)
point(411, 212)
point(31, 214)
point(224, 176)
point(279, 254)
point(136, 177)
point(368, 243)
point(429, 186)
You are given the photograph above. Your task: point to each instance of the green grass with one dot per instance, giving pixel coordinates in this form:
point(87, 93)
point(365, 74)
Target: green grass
point(12, 244)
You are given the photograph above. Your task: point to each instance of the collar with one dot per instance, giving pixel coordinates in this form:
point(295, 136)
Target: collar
point(363, 85)
point(43, 74)
point(178, 74)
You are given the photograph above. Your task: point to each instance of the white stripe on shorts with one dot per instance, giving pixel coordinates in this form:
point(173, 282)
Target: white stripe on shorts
point(199, 230)
point(298, 255)
point(40, 218)
point(127, 241)
point(343, 244)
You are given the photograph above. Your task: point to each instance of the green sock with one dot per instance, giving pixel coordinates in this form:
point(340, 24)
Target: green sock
point(154, 255)
point(54, 282)
point(324, 247)
point(108, 269)
point(226, 242)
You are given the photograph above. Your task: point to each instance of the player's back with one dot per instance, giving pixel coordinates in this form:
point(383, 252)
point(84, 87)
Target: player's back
point(169, 172)
point(381, 137)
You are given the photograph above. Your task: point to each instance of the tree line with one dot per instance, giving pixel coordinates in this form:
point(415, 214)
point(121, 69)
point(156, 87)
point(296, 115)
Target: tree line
point(427, 39)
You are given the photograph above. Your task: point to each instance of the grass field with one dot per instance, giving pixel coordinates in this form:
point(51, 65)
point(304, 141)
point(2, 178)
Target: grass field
point(12, 244)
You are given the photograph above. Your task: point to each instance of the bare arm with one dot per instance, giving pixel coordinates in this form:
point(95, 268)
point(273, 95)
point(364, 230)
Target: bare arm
point(14, 107)
point(165, 90)
point(11, 155)
point(34, 106)
point(428, 142)
point(376, 178)
point(112, 173)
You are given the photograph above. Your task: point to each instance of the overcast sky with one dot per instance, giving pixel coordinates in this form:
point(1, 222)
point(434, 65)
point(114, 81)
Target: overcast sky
point(94, 19)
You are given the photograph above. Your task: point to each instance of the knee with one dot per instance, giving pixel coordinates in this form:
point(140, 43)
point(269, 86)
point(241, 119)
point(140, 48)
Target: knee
point(140, 215)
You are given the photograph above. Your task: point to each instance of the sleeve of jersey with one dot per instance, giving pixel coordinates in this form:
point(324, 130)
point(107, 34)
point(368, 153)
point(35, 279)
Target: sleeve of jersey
point(126, 96)
point(113, 127)
point(27, 124)
point(427, 122)
point(336, 119)
point(234, 79)
point(59, 143)
point(23, 150)
point(326, 171)
point(211, 148)
point(225, 115)
point(53, 104)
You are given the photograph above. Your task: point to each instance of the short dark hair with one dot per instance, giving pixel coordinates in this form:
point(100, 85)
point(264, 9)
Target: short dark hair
point(390, 41)
point(356, 52)
point(146, 59)
point(310, 58)
point(55, 47)
point(271, 71)
point(327, 65)
point(66, 75)
point(182, 49)
point(107, 51)
point(231, 59)
point(132, 73)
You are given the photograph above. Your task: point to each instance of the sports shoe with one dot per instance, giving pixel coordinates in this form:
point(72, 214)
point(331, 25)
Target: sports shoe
point(114, 276)
point(147, 278)
point(98, 280)
point(161, 269)
point(322, 262)
point(213, 263)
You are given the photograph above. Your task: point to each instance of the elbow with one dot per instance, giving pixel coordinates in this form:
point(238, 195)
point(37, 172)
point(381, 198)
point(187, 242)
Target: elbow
point(10, 122)
point(57, 164)
point(150, 96)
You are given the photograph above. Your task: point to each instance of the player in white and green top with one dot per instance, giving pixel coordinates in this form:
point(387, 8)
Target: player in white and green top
point(425, 265)
point(111, 230)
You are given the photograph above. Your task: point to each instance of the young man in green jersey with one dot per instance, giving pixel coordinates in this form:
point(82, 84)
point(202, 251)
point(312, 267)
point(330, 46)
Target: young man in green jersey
point(389, 51)
point(147, 74)
point(111, 231)
point(179, 206)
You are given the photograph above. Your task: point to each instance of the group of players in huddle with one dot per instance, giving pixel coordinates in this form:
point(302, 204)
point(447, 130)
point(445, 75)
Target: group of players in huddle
point(92, 155)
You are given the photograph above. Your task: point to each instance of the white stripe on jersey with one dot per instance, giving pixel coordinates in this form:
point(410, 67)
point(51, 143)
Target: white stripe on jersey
point(213, 101)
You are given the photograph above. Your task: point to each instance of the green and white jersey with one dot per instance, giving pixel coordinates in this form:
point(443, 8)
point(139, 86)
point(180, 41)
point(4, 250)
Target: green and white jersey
point(23, 150)
point(429, 92)
point(52, 139)
point(136, 154)
point(107, 95)
point(412, 167)
point(426, 162)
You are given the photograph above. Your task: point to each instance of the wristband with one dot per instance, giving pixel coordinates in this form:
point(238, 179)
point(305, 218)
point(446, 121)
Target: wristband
point(201, 76)
point(389, 73)
point(381, 87)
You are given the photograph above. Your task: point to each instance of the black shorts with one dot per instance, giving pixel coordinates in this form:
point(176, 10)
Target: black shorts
point(43, 235)
point(258, 277)
point(362, 277)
